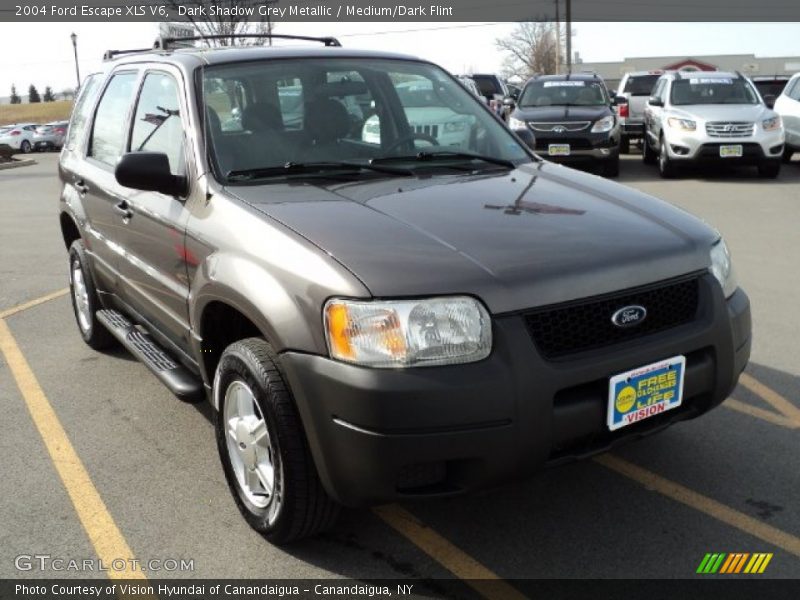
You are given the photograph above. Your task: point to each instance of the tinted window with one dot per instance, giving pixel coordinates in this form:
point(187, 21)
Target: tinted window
point(157, 123)
point(487, 85)
point(712, 90)
point(562, 92)
point(640, 85)
point(770, 88)
point(108, 133)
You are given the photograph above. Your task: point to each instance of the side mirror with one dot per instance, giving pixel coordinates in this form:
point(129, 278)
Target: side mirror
point(769, 100)
point(655, 101)
point(149, 172)
point(510, 101)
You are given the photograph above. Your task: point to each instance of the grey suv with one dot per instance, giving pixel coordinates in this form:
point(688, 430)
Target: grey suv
point(378, 320)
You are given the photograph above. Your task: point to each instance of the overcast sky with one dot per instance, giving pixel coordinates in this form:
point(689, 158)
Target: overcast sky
point(41, 53)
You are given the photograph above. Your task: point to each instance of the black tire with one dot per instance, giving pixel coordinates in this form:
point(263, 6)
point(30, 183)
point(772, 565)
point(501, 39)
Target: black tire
point(769, 169)
point(611, 167)
point(92, 331)
point(787, 154)
point(666, 167)
point(25, 147)
point(648, 154)
point(625, 145)
point(304, 508)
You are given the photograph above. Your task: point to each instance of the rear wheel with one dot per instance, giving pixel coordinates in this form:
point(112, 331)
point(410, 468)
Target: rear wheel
point(665, 166)
point(85, 302)
point(25, 146)
point(263, 449)
point(769, 169)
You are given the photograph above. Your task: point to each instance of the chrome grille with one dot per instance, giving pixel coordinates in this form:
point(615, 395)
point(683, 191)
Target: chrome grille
point(730, 129)
point(559, 127)
point(432, 130)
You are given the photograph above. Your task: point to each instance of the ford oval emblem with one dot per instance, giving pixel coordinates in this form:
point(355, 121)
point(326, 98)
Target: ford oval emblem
point(629, 316)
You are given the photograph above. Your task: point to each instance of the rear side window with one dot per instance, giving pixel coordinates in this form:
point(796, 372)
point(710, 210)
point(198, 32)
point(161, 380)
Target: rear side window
point(80, 114)
point(640, 85)
point(157, 123)
point(108, 133)
point(487, 85)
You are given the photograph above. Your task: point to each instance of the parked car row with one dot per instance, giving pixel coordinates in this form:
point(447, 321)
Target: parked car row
point(29, 137)
point(680, 118)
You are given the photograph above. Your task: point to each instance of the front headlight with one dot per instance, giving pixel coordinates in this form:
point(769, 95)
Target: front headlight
point(408, 333)
point(772, 123)
point(516, 123)
point(603, 125)
point(722, 268)
point(684, 124)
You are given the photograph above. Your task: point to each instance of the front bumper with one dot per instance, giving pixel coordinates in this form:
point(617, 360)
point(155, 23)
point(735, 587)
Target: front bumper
point(697, 146)
point(381, 434)
point(584, 146)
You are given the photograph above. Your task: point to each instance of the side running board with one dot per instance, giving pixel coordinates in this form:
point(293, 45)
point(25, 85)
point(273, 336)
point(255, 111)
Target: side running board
point(175, 376)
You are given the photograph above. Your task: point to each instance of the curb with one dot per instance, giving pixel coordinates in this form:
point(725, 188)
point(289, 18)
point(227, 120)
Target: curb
point(17, 163)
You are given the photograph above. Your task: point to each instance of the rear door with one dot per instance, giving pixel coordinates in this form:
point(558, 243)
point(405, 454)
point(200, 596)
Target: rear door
point(153, 274)
point(94, 181)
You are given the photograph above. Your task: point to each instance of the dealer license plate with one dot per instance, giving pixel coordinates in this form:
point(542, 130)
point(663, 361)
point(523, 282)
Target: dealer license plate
point(558, 149)
point(645, 392)
point(730, 151)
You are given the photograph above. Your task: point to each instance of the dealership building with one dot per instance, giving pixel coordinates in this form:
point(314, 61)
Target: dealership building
point(748, 64)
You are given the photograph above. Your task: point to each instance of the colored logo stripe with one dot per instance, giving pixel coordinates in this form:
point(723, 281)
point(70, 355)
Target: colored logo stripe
point(723, 563)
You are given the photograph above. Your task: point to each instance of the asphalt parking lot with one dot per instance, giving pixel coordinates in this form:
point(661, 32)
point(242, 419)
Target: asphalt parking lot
point(727, 482)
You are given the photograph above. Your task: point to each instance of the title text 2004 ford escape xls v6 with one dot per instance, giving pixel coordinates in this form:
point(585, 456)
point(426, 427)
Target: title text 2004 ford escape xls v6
point(378, 320)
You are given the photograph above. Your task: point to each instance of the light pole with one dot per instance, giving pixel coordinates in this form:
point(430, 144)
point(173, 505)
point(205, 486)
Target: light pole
point(74, 38)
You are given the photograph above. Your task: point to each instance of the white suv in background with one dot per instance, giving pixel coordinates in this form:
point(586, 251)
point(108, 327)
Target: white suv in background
point(700, 117)
point(788, 107)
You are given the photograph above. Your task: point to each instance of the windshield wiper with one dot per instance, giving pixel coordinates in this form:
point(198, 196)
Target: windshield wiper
point(311, 168)
point(425, 156)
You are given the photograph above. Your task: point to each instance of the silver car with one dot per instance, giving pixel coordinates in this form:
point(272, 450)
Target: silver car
point(19, 136)
point(50, 136)
point(788, 107)
point(711, 117)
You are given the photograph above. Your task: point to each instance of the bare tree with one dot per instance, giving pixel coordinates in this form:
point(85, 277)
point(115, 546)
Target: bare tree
point(230, 26)
point(530, 49)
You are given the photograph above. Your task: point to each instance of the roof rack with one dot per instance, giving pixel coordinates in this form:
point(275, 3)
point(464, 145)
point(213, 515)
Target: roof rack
point(163, 43)
point(112, 54)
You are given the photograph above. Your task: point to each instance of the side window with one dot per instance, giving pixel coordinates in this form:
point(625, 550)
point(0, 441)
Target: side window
point(80, 114)
point(108, 132)
point(662, 93)
point(157, 124)
point(794, 93)
point(290, 98)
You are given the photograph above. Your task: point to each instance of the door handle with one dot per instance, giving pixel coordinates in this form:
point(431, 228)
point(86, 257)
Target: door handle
point(81, 186)
point(124, 209)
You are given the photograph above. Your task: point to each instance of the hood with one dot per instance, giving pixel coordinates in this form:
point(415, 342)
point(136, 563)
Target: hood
point(537, 235)
point(561, 113)
point(722, 112)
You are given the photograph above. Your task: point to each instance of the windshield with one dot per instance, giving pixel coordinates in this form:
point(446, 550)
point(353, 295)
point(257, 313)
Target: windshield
point(564, 93)
point(640, 85)
point(262, 116)
point(712, 90)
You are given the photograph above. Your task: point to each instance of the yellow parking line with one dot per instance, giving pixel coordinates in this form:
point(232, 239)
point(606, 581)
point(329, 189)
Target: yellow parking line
point(485, 582)
point(20, 307)
point(704, 504)
point(760, 413)
point(778, 402)
point(108, 542)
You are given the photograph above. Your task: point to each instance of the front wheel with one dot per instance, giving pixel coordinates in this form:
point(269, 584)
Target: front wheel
point(648, 154)
point(611, 167)
point(263, 449)
point(787, 154)
point(666, 167)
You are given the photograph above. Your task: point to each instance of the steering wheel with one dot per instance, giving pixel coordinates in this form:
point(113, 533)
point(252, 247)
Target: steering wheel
point(410, 138)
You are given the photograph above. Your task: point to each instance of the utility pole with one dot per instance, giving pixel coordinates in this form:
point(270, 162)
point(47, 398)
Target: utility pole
point(569, 35)
point(558, 39)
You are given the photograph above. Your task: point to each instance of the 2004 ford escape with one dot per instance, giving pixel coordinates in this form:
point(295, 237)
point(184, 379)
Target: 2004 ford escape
point(378, 319)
